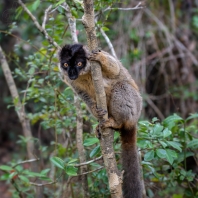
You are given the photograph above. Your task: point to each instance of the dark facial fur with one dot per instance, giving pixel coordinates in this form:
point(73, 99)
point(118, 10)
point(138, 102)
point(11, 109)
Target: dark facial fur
point(75, 58)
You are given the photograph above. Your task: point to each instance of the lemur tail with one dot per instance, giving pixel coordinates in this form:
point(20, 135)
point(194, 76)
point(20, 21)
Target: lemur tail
point(132, 186)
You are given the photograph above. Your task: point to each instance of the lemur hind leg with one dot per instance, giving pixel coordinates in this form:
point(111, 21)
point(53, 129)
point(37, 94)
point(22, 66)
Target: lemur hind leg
point(125, 105)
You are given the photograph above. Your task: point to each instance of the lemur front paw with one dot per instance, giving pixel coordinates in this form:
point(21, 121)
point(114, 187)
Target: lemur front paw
point(100, 112)
point(109, 123)
point(95, 55)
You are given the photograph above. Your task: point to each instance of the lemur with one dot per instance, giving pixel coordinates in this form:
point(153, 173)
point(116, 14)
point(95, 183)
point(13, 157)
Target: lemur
point(124, 103)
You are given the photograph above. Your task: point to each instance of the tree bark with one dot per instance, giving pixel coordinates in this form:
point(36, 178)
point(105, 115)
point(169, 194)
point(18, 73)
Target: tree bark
point(79, 119)
point(106, 141)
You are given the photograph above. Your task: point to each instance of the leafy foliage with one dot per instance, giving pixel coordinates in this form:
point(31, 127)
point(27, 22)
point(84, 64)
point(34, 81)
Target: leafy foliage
point(165, 146)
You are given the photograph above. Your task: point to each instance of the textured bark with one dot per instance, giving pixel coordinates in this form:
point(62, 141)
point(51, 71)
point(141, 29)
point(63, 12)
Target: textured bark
point(80, 147)
point(18, 106)
point(106, 141)
point(79, 119)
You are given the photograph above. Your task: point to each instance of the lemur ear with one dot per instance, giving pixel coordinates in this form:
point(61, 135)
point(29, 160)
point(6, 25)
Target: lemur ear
point(65, 51)
point(75, 48)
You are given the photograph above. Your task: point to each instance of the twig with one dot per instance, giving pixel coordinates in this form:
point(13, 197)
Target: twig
point(108, 41)
point(53, 10)
point(85, 173)
point(46, 184)
point(17, 37)
point(172, 14)
point(137, 7)
point(170, 36)
point(45, 16)
point(43, 31)
point(71, 21)
point(154, 107)
point(53, 182)
point(88, 162)
point(26, 161)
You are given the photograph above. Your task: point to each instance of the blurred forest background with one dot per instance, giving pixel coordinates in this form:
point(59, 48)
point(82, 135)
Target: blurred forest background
point(157, 44)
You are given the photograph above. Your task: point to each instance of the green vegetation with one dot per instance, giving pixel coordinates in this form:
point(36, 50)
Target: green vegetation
point(158, 48)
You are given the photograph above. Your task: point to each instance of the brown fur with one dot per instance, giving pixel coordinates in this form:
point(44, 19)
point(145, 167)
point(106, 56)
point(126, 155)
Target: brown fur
point(124, 105)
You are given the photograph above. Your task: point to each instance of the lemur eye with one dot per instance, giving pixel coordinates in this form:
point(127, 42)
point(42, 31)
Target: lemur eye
point(79, 64)
point(65, 65)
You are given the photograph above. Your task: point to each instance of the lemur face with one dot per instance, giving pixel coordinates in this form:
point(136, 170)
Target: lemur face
point(72, 60)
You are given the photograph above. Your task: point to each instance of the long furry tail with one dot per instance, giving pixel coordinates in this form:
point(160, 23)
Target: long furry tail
point(132, 186)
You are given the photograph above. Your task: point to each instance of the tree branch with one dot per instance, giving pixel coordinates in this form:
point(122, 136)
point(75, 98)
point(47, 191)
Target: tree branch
point(20, 112)
point(106, 141)
point(108, 42)
point(137, 7)
point(17, 103)
point(45, 17)
point(88, 162)
point(39, 27)
point(79, 116)
point(26, 161)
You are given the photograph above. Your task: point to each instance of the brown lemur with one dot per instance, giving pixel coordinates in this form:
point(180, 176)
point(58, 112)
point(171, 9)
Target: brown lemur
point(124, 103)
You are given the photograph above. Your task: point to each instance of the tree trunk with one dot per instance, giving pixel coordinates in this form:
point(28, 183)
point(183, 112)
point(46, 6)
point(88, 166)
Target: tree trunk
point(106, 141)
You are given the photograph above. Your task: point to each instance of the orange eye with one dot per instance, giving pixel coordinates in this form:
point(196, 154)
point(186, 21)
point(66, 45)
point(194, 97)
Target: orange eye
point(79, 64)
point(65, 65)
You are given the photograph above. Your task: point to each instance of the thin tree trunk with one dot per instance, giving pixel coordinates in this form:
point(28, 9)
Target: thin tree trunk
point(106, 141)
point(79, 119)
point(20, 112)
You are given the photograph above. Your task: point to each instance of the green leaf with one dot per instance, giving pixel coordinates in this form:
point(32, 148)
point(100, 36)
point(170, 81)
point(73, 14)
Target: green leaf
point(6, 168)
point(170, 155)
point(166, 132)
point(45, 178)
point(24, 179)
point(60, 2)
point(57, 162)
point(157, 129)
point(45, 171)
point(11, 176)
point(172, 120)
point(95, 151)
point(161, 153)
point(71, 170)
point(192, 116)
point(155, 119)
point(193, 144)
point(35, 4)
point(72, 161)
point(142, 143)
point(90, 141)
point(169, 158)
point(163, 144)
point(182, 156)
point(175, 145)
point(4, 177)
point(105, 29)
point(33, 174)
point(149, 156)
point(116, 135)
point(31, 71)
point(19, 11)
